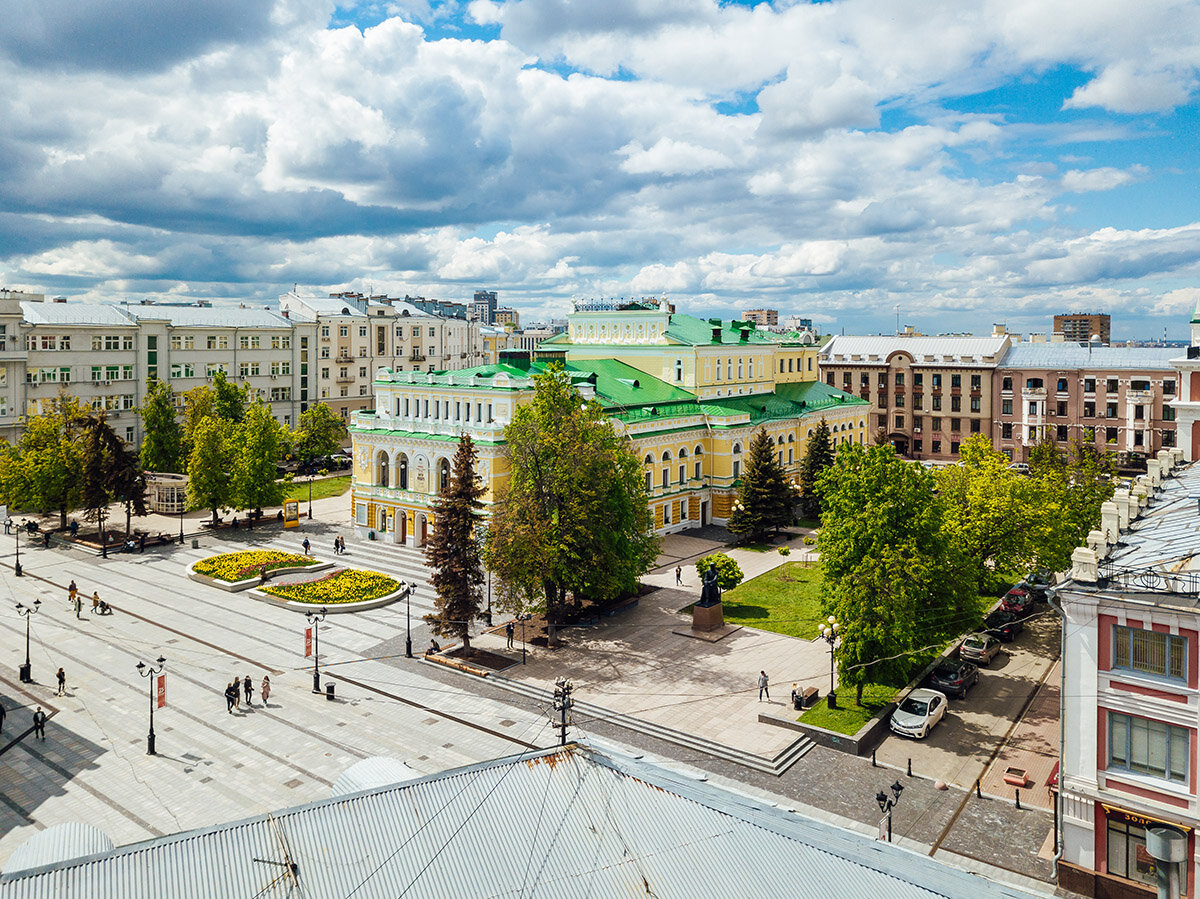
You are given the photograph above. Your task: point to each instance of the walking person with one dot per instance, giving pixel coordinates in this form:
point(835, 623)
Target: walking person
point(39, 723)
point(62, 682)
point(678, 575)
point(508, 634)
point(79, 606)
point(266, 689)
point(2, 714)
point(72, 592)
point(248, 688)
point(306, 545)
point(763, 687)
point(95, 602)
point(230, 693)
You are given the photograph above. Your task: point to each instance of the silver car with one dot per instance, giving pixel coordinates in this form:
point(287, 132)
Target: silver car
point(918, 713)
point(980, 649)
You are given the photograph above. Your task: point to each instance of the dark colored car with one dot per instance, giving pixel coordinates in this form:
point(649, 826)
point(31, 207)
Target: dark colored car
point(1003, 625)
point(954, 677)
point(1017, 601)
point(1036, 585)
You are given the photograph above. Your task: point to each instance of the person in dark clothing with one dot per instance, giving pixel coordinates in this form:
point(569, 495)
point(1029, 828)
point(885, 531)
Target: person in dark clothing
point(62, 682)
point(248, 688)
point(2, 714)
point(230, 696)
point(142, 543)
point(306, 545)
point(508, 634)
point(39, 723)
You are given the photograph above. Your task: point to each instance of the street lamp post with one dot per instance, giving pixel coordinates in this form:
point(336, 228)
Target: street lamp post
point(314, 619)
point(412, 588)
point(181, 524)
point(829, 634)
point(26, 672)
point(150, 671)
point(17, 567)
point(311, 477)
point(887, 803)
point(524, 617)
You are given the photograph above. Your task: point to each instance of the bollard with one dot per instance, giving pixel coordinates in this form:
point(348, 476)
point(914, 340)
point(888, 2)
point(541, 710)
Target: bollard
point(873, 765)
point(910, 767)
point(978, 792)
point(1017, 790)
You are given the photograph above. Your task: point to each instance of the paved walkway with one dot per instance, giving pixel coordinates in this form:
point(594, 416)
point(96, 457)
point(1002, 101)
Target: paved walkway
point(1033, 749)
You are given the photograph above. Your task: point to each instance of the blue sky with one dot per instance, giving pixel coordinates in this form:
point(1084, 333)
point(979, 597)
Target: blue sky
point(971, 162)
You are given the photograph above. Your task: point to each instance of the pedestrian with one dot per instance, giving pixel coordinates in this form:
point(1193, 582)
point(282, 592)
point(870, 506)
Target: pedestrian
point(46, 539)
point(62, 682)
point(8, 525)
point(762, 687)
point(95, 602)
point(2, 714)
point(72, 590)
point(306, 545)
point(678, 575)
point(266, 689)
point(248, 687)
point(341, 542)
point(230, 693)
point(74, 528)
point(78, 606)
point(39, 723)
point(508, 634)
point(142, 543)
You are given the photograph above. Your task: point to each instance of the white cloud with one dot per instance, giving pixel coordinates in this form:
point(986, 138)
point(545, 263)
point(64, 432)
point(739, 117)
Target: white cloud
point(1077, 181)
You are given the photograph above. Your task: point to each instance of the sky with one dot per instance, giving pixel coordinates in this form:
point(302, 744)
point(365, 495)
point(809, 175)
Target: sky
point(946, 164)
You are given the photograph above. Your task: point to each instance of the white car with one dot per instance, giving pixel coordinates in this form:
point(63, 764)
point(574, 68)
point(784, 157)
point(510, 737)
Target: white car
point(918, 713)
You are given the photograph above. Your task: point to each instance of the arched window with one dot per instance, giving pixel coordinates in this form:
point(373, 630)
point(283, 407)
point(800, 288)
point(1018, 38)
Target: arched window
point(383, 470)
point(649, 459)
point(737, 463)
point(682, 452)
point(699, 452)
point(791, 438)
point(443, 476)
point(666, 456)
point(402, 475)
point(678, 369)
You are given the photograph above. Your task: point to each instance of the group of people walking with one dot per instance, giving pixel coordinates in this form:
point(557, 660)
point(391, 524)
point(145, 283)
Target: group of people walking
point(237, 688)
point(75, 599)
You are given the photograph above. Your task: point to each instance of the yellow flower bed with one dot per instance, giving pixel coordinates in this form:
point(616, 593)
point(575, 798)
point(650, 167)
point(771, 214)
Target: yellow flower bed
point(241, 566)
point(347, 585)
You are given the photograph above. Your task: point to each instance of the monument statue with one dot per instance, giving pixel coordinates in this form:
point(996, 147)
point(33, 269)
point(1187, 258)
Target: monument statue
point(710, 593)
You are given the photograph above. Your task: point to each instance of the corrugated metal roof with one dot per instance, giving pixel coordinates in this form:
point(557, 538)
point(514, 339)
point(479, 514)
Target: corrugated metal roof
point(1164, 537)
point(58, 843)
point(554, 824)
point(76, 314)
point(1074, 356)
point(368, 773)
point(212, 316)
point(943, 350)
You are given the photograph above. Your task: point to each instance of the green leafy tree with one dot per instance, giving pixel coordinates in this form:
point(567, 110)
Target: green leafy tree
point(574, 518)
point(765, 498)
point(1073, 484)
point(210, 481)
point(729, 573)
point(320, 433)
point(892, 576)
point(197, 406)
point(229, 400)
point(94, 495)
point(818, 456)
point(162, 439)
point(453, 552)
point(254, 483)
point(42, 472)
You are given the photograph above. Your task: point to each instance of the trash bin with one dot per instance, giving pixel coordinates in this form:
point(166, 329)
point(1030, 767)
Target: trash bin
point(370, 535)
point(195, 543)
point(329, 691)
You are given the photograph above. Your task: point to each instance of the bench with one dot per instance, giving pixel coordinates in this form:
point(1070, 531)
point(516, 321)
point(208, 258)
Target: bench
point(806, 698)
point(621, 606)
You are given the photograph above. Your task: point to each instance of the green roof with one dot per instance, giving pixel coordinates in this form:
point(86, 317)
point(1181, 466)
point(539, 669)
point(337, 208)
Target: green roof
point(788, 401)
point(699, 331)
point(618, 384)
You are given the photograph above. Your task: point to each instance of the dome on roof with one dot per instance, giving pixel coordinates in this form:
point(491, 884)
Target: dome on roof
point(376, 771)
point(58, 843)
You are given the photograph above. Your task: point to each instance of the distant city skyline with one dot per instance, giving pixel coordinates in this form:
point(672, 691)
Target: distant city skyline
point(972, 163)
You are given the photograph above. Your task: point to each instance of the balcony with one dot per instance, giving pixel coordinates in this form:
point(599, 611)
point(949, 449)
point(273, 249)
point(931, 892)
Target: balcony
point(1139, 396)
point(343, 379)
point(344, 358)
point(1034, 393)
point(416, 357)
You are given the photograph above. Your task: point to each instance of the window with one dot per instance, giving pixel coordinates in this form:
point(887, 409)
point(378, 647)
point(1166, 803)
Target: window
point(1006, 407)
point(1006, 430)
point(935, 446)
point(1110, 435)
point(281, 342)
point(845, 380)
point(1061, 386)
point(362, 331)
point(1168, 438)
point(900, 400)
point(362, 371)
point(1060, 432)
point(883, 421)
point(1139, 385)
point(1150, 652)
point(1168, 413)
point(739, 369)
point(432, 332)
point(937, 382)
point(1033, 383)
point(975, 404)
point(281, 368)
point(667, 513)
point(976, 382)
point(1111, 385)
point(1153, 748)
point(649, 482)
point(1089, 410)
point(1168, 385)
point(343, 331)
point(250, 342)
point(1089, 385)
point(1110, 410)
point(974, 425)
point(678, 369)
point(899, 379)
point(1139, 412)
point(937, 404)
point(864, 380)
point(682, 473)
point(954, 447)
point(1127, 856)
point(918, 379)
point(1033, 408)
point(955, 425)
point(1060, 408)
point(899, 422)
point(917, 445)
point(883, 382)
point(955, 381)
point(956, 404)
point(917, 422)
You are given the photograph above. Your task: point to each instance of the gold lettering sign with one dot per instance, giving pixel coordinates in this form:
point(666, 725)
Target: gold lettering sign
point(1140, 820)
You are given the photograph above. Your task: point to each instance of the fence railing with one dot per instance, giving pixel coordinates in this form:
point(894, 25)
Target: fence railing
point(1149, 580)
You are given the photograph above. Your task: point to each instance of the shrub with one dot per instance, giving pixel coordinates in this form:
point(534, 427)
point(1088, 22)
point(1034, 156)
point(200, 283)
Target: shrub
point(241, 566)
point(729, 575)
point(785, 551)
point(810, 541)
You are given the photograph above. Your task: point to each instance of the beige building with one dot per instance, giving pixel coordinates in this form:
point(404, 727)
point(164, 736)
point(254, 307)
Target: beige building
point(764, 318)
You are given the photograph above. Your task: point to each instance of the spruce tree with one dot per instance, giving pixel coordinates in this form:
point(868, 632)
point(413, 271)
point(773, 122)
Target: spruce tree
point(453, 552)
point(766, 498)
point(818, 456)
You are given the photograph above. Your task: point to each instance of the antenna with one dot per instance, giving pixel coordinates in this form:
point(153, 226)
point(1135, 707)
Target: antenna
point(897, 318)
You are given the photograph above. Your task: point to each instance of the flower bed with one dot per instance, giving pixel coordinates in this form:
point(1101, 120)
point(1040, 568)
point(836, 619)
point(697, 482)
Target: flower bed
point(233, 567)
point(341, 586)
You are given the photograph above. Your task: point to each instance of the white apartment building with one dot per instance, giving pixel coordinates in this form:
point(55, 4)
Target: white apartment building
point(356, 335)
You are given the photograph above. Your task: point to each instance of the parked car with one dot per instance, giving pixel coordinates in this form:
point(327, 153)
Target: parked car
point(918, 713)
point(1036, 585)
point(1004, 626)
point(979, 648)
point(954, 677)
point(1020, 467)
point(1017, 601)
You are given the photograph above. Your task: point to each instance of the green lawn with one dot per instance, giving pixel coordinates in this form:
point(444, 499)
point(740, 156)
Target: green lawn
point(848, 718)
point(321, 488)
point(785, 600)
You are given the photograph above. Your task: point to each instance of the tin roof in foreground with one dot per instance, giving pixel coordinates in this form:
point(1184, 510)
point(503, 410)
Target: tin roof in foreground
point(565, 822)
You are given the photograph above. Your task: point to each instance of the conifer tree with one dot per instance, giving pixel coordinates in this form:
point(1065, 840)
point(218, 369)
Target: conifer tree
point(453, 552)
point(766, 499)
point(818, 456)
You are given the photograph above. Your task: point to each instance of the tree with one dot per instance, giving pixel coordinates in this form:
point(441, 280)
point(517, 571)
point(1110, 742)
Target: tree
point(1074, 484)
point(229, 401)
point(320, 432)
point(729, 574)
point(453, 552)
point(210, 484)
point(162, 438)
point(197, 406)
point(765, 499)
point(818, 456)
point(254, 483)
point(127, 480)
point(574, 516)
point(892, 577)
point(43, 471)
point(111, 471)
point(94, 493)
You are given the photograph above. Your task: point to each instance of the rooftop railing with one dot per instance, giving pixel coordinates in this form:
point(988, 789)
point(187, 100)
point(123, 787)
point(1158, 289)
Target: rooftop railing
point(1149, 580)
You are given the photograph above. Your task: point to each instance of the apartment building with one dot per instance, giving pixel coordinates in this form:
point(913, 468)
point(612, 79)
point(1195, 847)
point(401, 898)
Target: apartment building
point(691, 428)
point(1081, 327)
point(764, 318)
point(1115, 398)
point(355, 335)
point(1186, 405)
point(928, 394)
point(1131, 691)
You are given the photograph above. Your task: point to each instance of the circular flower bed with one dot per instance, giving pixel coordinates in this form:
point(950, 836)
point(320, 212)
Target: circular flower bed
point(234, 567)
point(344, 585)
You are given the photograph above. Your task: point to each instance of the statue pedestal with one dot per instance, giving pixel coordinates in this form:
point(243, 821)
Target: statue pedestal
point(707, 618)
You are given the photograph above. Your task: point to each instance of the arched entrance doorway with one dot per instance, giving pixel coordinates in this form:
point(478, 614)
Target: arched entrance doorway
point(401, 531)
point(384, 470)
point(422, 531)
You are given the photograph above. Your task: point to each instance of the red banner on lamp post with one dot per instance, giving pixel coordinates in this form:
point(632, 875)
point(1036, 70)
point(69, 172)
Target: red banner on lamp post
point(307, 642)
point(161, 691)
